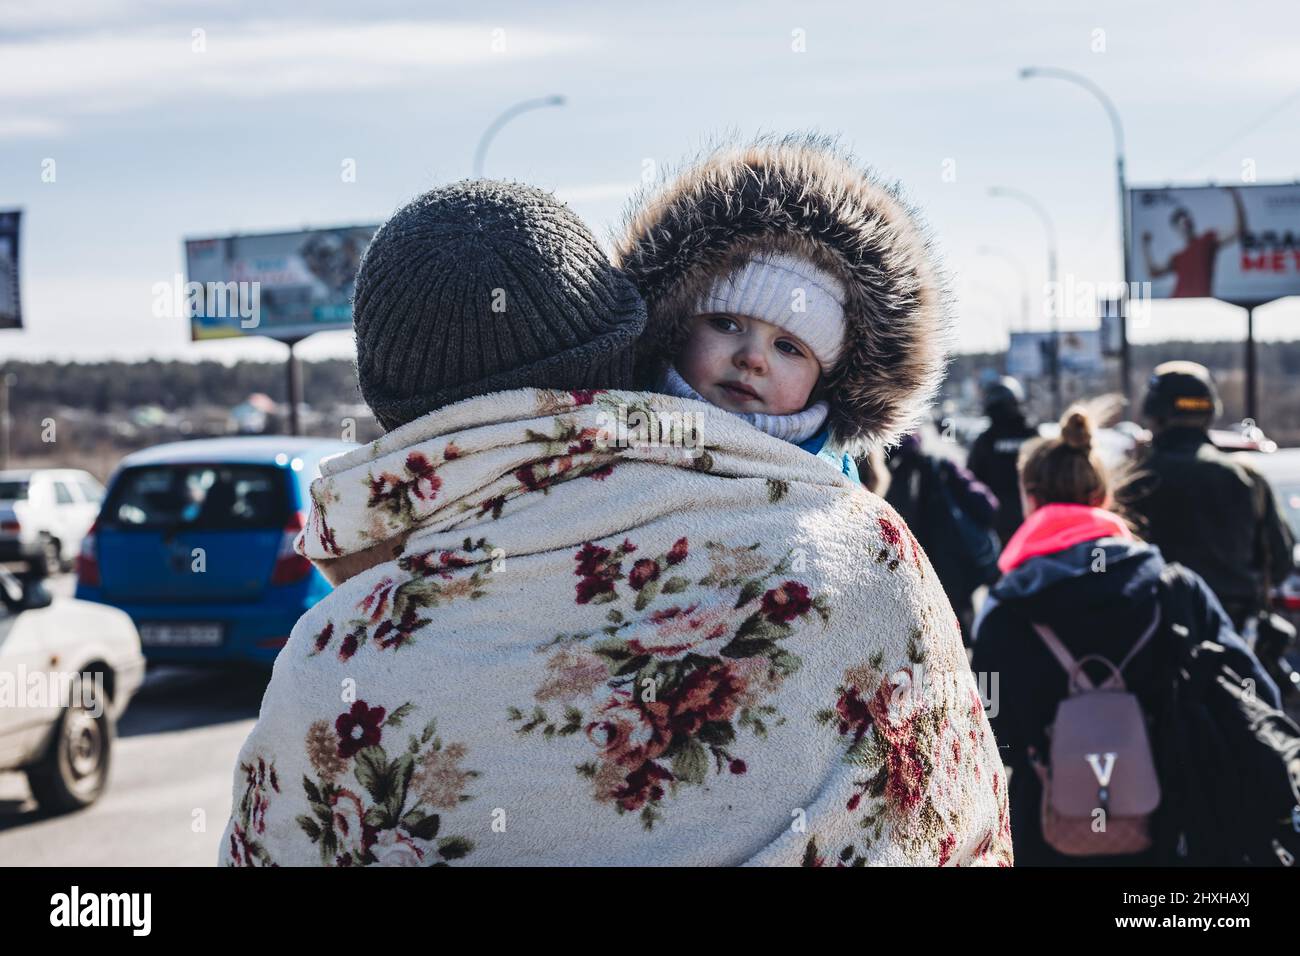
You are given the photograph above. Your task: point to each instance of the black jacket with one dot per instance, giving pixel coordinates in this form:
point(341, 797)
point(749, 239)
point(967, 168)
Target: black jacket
point(993, 459)
point(1215, 514)
point(916, 493)
point(1093, 611)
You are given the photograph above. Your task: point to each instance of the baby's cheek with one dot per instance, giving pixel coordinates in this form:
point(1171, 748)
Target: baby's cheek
point(792, 396)
point(698, 367)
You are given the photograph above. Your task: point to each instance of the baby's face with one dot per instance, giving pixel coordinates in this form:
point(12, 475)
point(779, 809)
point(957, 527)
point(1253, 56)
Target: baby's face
point(744, 364)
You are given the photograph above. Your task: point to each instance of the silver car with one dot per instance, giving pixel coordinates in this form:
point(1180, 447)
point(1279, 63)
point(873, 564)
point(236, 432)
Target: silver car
point(68, 669)
point(44, 514)
point(1282, 469)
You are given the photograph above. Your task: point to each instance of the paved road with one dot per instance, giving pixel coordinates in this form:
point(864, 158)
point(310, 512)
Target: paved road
point(175, 755)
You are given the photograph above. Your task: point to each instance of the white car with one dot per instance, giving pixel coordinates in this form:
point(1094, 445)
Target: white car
point(44, 514)
point(68, 669)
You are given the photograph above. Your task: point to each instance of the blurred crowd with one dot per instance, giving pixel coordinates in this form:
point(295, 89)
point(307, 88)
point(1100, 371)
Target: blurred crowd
point(1129, 612)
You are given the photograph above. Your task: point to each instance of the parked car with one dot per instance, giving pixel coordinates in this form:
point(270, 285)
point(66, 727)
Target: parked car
point(68, 669)
point(1243, 436)
point(195, 543)
point(44, 514)
point(1282, 469)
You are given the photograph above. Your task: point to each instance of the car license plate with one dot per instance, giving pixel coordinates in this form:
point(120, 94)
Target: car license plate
point(180, 635)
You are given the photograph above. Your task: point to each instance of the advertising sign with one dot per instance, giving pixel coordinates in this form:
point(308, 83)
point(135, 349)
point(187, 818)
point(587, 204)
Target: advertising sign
point(11, 313)
point(284, 285)
point(1030, 354)
point(1240, 244)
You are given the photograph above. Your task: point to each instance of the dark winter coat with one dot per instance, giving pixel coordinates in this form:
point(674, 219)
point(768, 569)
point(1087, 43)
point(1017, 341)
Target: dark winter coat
point(993, 460)
point(916, 492)
point(1215, 514)
point(1093, 612)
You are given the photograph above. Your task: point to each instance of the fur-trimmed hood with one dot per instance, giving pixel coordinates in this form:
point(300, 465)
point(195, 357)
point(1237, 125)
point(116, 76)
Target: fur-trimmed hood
point(801, 195)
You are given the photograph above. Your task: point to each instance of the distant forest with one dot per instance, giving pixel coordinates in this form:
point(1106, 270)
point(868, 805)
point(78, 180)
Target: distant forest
point(105, 387)
point(89, 399)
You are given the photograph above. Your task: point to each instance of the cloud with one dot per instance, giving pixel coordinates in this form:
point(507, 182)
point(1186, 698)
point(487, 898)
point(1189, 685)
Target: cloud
point(29, 127)
point(97, 72)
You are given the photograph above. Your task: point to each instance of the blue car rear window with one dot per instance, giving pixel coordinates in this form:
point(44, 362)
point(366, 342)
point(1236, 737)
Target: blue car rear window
point(13, 490)
point(215, 497)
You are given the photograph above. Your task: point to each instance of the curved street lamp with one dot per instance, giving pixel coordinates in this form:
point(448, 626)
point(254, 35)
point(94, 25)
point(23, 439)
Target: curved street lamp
point(480, 153)
point(1050, 229)
point(1117, 127)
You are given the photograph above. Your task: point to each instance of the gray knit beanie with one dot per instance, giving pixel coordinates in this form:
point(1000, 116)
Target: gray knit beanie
point(486, 286)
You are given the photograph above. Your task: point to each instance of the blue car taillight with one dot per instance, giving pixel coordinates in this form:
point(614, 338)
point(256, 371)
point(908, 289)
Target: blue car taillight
point(290, 566)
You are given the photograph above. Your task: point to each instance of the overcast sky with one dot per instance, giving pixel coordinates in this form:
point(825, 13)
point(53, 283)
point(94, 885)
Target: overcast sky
point(153, 141)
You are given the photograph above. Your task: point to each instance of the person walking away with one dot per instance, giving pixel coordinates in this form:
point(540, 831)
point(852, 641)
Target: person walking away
point(1210, 510)
point(952, 515)
point(1076, 609)
point(996, 452)
point(563, 641)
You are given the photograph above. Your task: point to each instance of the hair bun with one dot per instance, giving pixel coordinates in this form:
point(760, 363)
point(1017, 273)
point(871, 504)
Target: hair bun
point(1076, 429)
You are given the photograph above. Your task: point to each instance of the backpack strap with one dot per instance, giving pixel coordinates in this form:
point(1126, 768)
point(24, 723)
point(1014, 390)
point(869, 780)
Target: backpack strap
point(1063, 657)
point(1074, 669)
point(1146, 636)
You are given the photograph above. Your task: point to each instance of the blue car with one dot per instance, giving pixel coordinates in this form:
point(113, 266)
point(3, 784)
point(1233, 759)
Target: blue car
point(195, 542)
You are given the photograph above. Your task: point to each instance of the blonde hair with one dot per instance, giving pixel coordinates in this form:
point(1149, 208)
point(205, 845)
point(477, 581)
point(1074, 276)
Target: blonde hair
point(1067, 469)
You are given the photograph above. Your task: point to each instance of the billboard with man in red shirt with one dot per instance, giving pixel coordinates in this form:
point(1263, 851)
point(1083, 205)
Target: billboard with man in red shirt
point(1236, 243)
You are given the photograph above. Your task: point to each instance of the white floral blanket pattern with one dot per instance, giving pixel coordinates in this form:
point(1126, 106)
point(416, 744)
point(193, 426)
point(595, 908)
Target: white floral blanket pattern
point(589, 650)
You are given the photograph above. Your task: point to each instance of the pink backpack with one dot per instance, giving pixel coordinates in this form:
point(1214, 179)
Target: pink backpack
point(1099, 785)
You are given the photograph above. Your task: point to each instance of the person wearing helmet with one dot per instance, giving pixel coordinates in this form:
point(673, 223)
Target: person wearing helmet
point(995, 452)
point(1206, 509)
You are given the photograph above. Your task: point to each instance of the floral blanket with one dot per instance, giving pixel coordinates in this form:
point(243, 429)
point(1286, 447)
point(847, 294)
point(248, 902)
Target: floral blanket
point(559, 639)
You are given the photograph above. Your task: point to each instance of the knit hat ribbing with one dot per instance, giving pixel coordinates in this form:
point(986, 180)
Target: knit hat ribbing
point(789, 292)
point(486, 286)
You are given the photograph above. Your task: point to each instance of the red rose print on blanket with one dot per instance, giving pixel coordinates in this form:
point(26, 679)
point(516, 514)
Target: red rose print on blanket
point(374, 806)
point(901, 732)
point(660, 693)
point(391, 614)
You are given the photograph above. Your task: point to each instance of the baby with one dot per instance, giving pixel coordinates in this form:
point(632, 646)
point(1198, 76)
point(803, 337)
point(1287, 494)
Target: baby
point(760, 344)
point(793, 289)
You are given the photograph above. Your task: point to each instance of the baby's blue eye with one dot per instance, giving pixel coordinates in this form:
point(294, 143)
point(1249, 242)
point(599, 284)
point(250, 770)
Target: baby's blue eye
point(724, 324)
point(789, 348)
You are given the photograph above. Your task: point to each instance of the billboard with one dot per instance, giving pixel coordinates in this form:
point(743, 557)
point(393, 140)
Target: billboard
point(1236, 243)
point(11, 313)
point(1030, 354)
point(284, 285)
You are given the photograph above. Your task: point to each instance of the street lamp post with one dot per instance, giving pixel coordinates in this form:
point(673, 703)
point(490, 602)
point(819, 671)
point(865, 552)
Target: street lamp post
point(480, 153)
point(1054, 311)
point(1117, 127)
point(7, 381)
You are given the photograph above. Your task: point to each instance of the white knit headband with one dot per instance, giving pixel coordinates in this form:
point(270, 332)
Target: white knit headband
point(789, 292)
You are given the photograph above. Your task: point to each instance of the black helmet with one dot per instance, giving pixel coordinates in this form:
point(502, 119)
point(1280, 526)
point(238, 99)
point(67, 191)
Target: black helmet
point(1006, 395)
point(1182, 390)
